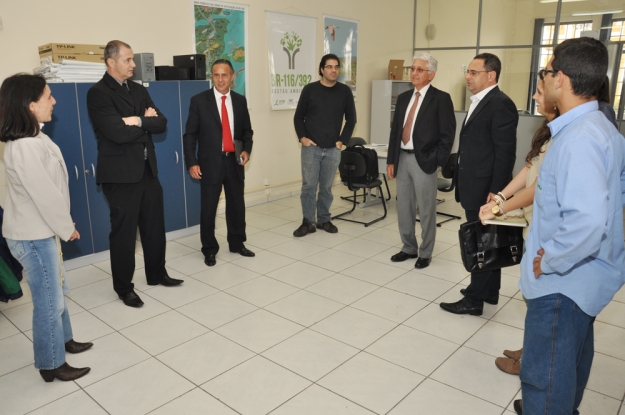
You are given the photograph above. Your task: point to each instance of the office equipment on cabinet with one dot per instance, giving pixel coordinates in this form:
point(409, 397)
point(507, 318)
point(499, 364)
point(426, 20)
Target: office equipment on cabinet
point(144, 71)
point(196, 64)
point(383, 99)
point(72, 131)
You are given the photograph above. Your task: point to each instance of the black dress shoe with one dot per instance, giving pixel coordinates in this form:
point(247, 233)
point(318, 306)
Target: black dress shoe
point(131, 299)
point(462, 307)
point(75, 347)
point(64, 372)
point(167, 281)
point(518, 406)
point(492, 300)
point(244, 252)
point(210, 260)
point(422, 263)
point(402, 256)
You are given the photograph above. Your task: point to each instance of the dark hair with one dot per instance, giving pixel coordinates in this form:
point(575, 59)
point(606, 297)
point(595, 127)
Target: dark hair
point(222, 61)
point(16, 94)
point(326, 58)
point(585, 61)
point(112, 50)
point(604, 91)
point(541, 137)
point(491, 63)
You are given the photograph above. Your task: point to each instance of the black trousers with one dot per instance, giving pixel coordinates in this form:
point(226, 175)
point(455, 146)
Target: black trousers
point(136, 204)
point(235, 208)
point(483, 284)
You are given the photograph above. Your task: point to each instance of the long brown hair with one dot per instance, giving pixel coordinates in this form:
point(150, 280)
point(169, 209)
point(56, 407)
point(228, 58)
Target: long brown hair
point(541, 137)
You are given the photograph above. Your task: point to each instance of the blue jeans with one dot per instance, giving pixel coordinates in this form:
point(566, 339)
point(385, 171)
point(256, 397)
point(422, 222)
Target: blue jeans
point(557, 355)
point(51, 326)
point(318, 170)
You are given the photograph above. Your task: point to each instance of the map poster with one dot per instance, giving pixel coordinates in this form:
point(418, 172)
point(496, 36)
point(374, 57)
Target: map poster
point(340, 37)
point(221, 33)
point(292, 63)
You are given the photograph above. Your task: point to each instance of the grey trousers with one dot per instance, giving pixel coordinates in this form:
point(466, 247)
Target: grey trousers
point(415, 189)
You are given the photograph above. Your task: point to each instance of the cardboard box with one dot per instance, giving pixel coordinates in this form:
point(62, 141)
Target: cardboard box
point(396, 69)
point(73, 48)
point(55, 58)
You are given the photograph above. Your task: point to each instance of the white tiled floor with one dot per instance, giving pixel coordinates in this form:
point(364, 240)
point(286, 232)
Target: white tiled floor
point(325, 324)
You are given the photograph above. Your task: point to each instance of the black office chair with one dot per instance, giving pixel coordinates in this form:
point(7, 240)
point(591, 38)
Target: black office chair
point(353, 172)
point(351, 143)
point(447, 184)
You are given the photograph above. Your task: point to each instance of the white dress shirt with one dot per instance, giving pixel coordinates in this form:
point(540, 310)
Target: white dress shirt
point(423, 91)
point(475, 100)
point(218, 96)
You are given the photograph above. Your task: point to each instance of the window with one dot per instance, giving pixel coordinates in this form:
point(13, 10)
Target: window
point(566, 31)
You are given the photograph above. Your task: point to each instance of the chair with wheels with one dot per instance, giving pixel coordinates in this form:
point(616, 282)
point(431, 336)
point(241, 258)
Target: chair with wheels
point(353, 174)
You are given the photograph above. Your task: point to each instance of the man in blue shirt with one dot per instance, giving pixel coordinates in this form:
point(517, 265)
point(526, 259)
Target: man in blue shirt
point(575, 259)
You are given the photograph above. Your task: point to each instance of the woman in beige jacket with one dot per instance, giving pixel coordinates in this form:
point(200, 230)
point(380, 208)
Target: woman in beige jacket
point(36, 215)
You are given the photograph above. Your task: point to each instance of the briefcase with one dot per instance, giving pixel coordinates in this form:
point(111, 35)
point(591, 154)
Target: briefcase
point(489, 247)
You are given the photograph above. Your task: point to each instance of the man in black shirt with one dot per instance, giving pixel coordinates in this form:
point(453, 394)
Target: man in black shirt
point(318, 120)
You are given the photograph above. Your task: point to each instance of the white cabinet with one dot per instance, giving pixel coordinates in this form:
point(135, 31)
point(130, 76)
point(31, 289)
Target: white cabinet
point(383, 98)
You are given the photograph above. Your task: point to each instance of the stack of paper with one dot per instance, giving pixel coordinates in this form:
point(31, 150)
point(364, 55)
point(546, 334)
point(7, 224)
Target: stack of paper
point(71, 71)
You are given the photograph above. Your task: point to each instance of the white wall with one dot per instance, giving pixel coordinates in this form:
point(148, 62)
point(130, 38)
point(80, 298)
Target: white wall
point(165, 27)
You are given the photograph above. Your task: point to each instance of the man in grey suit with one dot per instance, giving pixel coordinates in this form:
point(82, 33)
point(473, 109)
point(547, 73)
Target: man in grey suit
point(422, 135)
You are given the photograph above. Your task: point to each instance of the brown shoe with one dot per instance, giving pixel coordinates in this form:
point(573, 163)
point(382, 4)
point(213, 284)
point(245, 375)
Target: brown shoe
point(304, 229)
point(511, 366)
point(64, 372)
point(513, 354)
point(75, 347)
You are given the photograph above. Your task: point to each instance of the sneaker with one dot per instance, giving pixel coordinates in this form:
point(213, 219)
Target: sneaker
point(328, 227)
point(305, 228)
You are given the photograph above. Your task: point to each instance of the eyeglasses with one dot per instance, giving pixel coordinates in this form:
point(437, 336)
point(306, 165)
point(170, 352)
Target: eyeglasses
point(543, 72)
point(420, 70)
point(473, 73)
point(332, 67)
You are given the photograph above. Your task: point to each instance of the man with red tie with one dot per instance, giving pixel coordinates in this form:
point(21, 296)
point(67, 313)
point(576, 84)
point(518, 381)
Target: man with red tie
point(422, 135)
point(217, 118)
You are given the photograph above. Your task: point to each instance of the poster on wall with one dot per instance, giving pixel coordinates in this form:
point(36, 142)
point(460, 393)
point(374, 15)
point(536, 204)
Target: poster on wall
point(340, 37)
point(292, 65)
point(221, 33)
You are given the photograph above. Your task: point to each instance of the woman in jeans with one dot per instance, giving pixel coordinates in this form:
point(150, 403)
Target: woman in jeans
point(37, 214)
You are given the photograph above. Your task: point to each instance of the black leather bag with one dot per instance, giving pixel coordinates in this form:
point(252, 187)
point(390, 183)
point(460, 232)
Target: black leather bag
point(489, 247)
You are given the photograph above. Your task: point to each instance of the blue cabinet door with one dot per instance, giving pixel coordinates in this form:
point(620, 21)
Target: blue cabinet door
point(98, 207)
point(65, 132)
point(192, 187)
point(168, 147)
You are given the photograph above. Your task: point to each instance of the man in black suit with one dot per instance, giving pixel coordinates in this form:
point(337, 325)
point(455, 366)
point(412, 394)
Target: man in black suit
point(485, 161)
point(217, 119)
point(422, 134)
point(124, 118)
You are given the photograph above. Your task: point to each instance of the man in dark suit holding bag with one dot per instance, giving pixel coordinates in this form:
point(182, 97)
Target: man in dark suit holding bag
point(124, 118)
point(422, 135)
point(217, 119)
point(486, 154)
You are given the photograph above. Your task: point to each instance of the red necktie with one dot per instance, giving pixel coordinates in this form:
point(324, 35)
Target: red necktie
point(405, 135)
point(226, 134)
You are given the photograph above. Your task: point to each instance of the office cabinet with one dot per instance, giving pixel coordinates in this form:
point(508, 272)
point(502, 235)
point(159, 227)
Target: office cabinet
point(192, 186)
point(72, 131)
point(383, 98)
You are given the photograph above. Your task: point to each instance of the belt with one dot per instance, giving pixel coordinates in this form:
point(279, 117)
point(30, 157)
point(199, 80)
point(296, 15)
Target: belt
point(226, 153)
point(408, 151)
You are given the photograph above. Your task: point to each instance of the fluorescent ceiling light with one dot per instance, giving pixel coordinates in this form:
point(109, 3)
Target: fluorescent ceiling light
point(597, 13)
point(563, 1)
